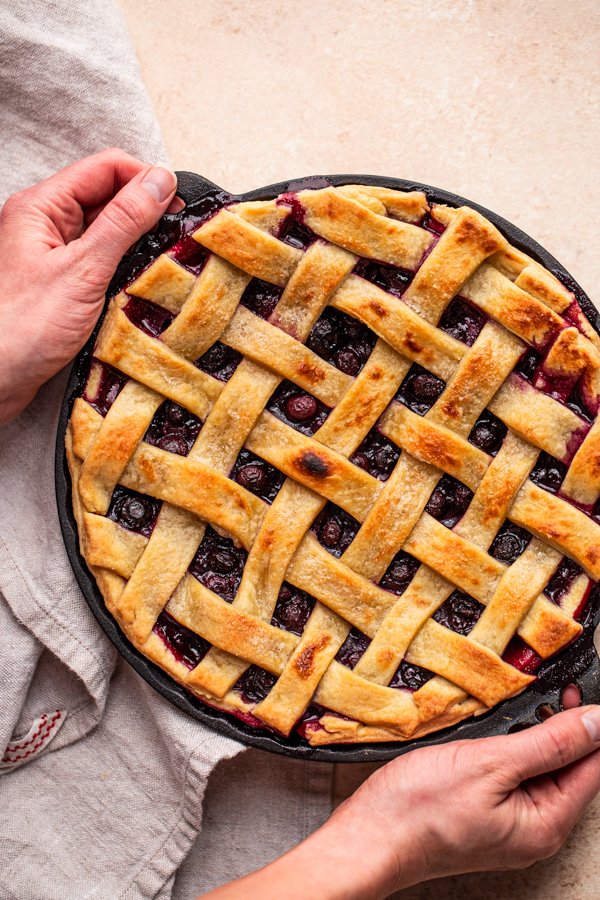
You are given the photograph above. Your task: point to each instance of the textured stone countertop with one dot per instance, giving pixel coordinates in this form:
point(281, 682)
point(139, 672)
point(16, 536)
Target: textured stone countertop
point(498, 102)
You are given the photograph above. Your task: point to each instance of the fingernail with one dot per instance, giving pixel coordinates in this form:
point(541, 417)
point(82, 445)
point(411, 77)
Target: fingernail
point(591, 723)
point(159, 182)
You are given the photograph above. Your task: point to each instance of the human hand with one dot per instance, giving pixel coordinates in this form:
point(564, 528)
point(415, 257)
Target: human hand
point(490, 804)
point(60, 243)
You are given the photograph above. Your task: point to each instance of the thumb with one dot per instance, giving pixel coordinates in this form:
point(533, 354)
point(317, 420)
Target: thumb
point(129, 215)
point(560, 740)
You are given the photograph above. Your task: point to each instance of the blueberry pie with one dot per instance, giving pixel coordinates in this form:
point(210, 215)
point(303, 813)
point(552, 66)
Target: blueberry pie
point(336, 463)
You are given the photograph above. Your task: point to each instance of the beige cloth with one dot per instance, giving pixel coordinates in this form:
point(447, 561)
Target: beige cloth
point(103, 780)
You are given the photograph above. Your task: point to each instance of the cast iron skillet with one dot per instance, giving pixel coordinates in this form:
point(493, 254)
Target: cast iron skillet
point(578, 663)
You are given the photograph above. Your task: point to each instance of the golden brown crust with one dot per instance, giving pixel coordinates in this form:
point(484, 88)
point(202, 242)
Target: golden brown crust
point(164, 282)
point(536, 417)
point(249, 248)
point(141, 577)
point(398, 325)
point(435, 444)
point(468, 240)
point(353, 226)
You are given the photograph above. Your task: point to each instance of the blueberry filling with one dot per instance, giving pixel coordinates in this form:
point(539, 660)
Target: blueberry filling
point(293, 609)
point(301, 407)
point(459, 613)
point(548, 473)
point(528, 364)
point(296, 234)
point(342, 341)
point(347, 361)
point(335, 529)
point(522, 656)
point(388, 278)
point(190, 253)
point(562, 579)
point(430, 223)
point(255, 684)
point(324, 337)
point(173, 429)
point(219, 361)
point(147, 316)
point(296, 209)
point(219, 564)
point(488, 433)
point(298, 408)
point(310, 716)
point(174, 443)
point(254, 478)
point(353, 648)
point(261, 298)
point(400, 573)
point(558, 387)
point(576, 402)
point(462, 321)
point(449, 501)
point(377, 455)
point(410, 676)
point(509, 543)
point(420, 389)
point(185, 645)
point(257, 476)
point(108, 384)
point(133, 511)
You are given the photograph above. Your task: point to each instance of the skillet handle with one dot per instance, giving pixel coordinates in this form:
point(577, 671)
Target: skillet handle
point(192, 188)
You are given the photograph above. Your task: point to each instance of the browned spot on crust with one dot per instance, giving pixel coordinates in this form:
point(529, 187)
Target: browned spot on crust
point(451, 408)
point(331, 209)
point(304, 663)
point(147, 468)
point(362, 412)
point(568, 353)
point(541, 289)
point(411, 343)
point(472, 579)
point(378, 309)
point(555, 633)
point(310, 463)
point(472, 371)
point(496, 504)
point(241, 501)
point(438, 447)
point(531, 280)
point(594, 465)
point(532, 318)
point(195, 316)
point(267, 538)
point(376, 373)
point(311, 371)
point(593, 555)
point(420, 600)
point(385, 657)
point(113, 352)
point(123, 444)
point(472, 230)
point(301, 293)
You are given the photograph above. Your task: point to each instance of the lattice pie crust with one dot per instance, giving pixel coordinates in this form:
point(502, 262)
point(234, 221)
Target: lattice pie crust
point(532, 369)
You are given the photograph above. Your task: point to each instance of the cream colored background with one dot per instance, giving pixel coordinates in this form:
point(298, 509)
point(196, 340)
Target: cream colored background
point(496, 101)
